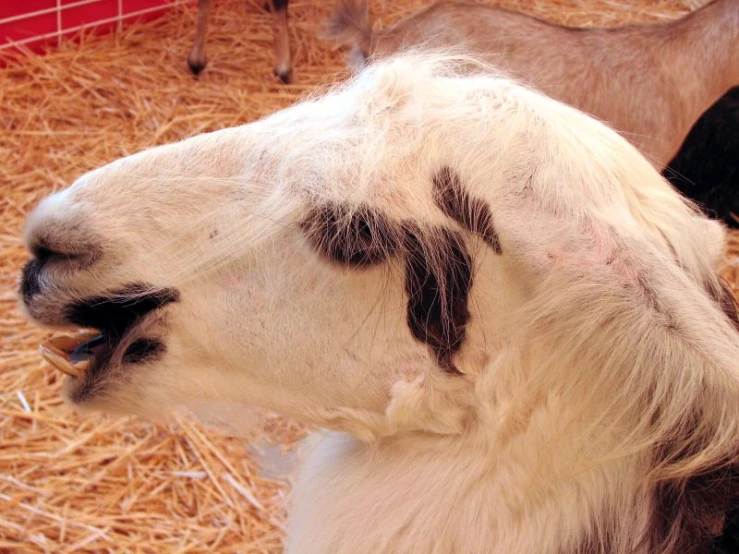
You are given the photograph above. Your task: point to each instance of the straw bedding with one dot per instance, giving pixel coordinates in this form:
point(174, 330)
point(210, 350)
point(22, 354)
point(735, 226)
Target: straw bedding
point(101, 484)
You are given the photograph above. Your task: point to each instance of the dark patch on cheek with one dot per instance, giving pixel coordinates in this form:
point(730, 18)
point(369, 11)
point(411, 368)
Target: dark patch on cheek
point(438, 268)
point(115, 314)
point(438, 281)
point(143, 350)
point(471, 213)
point(356, 237)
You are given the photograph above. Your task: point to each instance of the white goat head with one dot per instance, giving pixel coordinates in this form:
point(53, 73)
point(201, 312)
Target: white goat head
point(420, 253)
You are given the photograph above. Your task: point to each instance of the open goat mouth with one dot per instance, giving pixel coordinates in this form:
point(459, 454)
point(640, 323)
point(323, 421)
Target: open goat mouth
point(110, 325)
point(72, 354)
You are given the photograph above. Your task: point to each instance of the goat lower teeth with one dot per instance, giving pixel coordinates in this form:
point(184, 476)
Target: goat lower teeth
point(60, 363)
point(57, 350)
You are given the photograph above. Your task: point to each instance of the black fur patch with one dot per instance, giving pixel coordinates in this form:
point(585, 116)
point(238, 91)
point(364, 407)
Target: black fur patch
point(728, 542)
point(471, 213)
point(357, 237)
point(438, 268)
point(706, 168)
point(699, 514)
point(114, 314)
point(280, 4)
point(438, 281)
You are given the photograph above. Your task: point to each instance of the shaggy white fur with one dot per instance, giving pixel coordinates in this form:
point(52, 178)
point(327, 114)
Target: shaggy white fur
point(596, 364)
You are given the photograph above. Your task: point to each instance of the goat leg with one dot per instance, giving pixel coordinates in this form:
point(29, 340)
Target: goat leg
point(283, 64)
point(196, 59)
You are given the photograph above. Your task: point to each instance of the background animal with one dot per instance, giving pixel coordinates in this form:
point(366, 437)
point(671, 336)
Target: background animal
point(707, 166)
point(510, 320)
point(649, 82)
point(283, 64)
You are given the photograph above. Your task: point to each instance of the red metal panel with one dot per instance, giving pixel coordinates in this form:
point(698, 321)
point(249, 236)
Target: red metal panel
point(12, 8)
point(88, 14)
point(23, 29)
point(22, 20)
point(130, 6)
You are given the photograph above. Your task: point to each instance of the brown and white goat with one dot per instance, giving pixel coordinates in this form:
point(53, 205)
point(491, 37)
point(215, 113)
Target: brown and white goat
point(283, 64)
point(649, 82)
point(510, 321)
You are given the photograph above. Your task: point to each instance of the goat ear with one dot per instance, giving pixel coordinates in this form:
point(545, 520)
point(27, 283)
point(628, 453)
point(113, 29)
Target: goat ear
point(438, 280)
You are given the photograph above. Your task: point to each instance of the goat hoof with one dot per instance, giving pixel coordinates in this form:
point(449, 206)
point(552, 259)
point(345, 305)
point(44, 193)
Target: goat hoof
point(196, 66)
point(284, 75)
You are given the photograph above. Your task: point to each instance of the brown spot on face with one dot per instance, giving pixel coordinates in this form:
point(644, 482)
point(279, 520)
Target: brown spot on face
point(438, 281)
point(356, 237)
point(438, 268)
point(471, 213)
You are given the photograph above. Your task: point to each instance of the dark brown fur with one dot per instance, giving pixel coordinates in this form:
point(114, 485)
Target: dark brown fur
point(438, 268)
point(115, 313)
point(356, 237)
point(698, 515)
point(471, 213)
point(438, 280)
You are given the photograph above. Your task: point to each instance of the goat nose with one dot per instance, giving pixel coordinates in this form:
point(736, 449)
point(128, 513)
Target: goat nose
point(43, 257)
point(58, 232)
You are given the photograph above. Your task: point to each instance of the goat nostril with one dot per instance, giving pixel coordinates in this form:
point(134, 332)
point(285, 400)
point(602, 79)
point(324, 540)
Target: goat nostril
point(83, 256)
point(43, 254)
point(30, 279)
